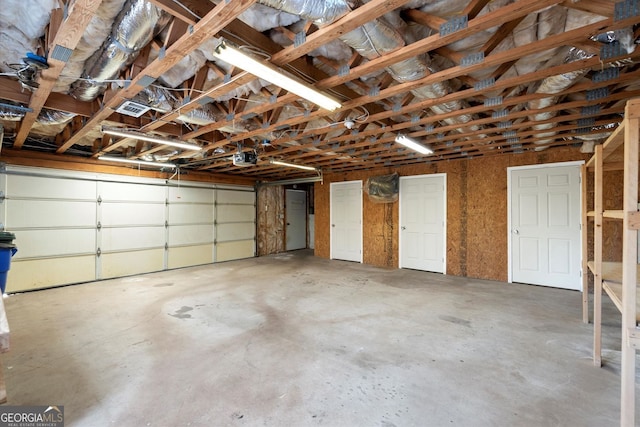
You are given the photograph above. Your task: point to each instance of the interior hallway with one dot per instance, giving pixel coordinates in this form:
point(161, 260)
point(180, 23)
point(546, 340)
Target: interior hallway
point(296, 340)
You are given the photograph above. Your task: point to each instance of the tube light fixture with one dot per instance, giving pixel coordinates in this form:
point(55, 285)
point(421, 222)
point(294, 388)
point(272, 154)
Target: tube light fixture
point(268, 72)
point(411, 143)
point(293, 165)
point(124, 133)
point(137, 162)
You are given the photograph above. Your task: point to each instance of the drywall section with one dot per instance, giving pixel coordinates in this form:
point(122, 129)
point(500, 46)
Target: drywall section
point(476, 212)
point(270, 219)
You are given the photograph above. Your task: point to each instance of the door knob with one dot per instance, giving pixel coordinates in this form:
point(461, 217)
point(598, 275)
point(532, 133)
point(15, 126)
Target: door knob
point(403, 228)
point(333, 225)
point(516, 231)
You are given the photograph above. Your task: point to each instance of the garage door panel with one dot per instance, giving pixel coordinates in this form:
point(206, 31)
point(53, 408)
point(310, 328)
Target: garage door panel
point(227, 251)
point(132, 214)
point(132, 238)
point(75, 226)
point(236, 197)
point(54, 243)
point(190, 255)
point(180, 235)
point(119, 191)
point(191, 195)
point(190, 214)
point(27, 275)
point(235, 213)
point(35, 187)
point(52, 213)
point(129, 263)
point(238, 231)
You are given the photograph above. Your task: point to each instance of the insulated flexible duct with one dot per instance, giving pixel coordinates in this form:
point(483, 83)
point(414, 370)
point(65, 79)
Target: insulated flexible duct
point(134, 28)
point(373, 40)
point(46, 116)
point(553, 85)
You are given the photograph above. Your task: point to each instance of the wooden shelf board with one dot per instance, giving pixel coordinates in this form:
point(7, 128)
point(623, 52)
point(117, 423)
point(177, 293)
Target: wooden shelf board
point(612, 283)
point(591, 213)
point(592, 267)
point(613, 214)
point(615, 140)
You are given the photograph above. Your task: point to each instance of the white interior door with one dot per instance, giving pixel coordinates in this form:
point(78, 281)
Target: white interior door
point(296, 212)
point(346, 220)
point(422, 222)
point(545, 225)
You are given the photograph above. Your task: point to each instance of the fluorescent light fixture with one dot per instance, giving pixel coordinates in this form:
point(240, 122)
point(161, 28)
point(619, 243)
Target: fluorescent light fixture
point(293, 165)
point(409, 142)
point(124, 133)
point(137, 162)
point(272, 74)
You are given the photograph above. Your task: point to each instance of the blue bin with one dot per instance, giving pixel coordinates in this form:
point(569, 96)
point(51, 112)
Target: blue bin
point(5, 264)
point(7, 250)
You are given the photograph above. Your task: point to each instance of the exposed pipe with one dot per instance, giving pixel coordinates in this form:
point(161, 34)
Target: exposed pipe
point(133, 29)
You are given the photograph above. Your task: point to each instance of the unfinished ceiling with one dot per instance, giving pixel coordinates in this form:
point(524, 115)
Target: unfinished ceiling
point(468, 78)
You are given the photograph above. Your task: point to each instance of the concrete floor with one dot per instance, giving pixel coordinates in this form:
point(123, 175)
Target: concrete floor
point(295, 340)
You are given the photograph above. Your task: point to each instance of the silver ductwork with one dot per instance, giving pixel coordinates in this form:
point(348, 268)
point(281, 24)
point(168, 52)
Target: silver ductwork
point(157, 98)
point(46, 116)
point(373, 40)
point(54, 117)
point(552, 85)
point(321, 12)
point(133, 29)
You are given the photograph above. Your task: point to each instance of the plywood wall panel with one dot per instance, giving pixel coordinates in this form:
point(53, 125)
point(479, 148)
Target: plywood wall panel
point(476, 212)
point(270, 202)
point(486, 227)
point(322, 218)
point(380, 233)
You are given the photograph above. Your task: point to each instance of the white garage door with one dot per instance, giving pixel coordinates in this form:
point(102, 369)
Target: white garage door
point(131, 228)
point(190, 232)
point(54, 221)
point(74, 227)
point(235, 224)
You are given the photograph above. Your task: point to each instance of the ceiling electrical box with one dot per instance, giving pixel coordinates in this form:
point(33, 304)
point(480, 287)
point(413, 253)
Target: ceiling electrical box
point(245, 159)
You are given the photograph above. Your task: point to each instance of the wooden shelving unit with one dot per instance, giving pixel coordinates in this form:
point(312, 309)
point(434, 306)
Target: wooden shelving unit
point(619, 280)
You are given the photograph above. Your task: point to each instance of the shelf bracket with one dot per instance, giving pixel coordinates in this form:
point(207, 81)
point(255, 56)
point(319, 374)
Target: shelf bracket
point(633, 338)
point(634, 220)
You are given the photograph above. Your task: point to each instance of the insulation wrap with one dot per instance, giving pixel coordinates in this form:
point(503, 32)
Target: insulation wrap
point(134, 27)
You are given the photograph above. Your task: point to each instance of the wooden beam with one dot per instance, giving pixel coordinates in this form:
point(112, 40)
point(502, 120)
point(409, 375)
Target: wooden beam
point(188, 11)
point(598, 7)
point(423, 18)
point(347, 23)
point(493, 60)
point(67, 37)
point(206, 28)
point(504, 30)
point(507, 13)
point(474, 8)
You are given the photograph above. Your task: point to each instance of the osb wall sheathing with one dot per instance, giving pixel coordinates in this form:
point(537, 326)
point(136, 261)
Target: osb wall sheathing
point(476, 212)
point(612, 199)
point(270, 220)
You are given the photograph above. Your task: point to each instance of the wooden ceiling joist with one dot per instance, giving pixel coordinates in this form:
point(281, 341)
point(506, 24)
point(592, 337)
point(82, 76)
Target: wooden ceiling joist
point(206, 28)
